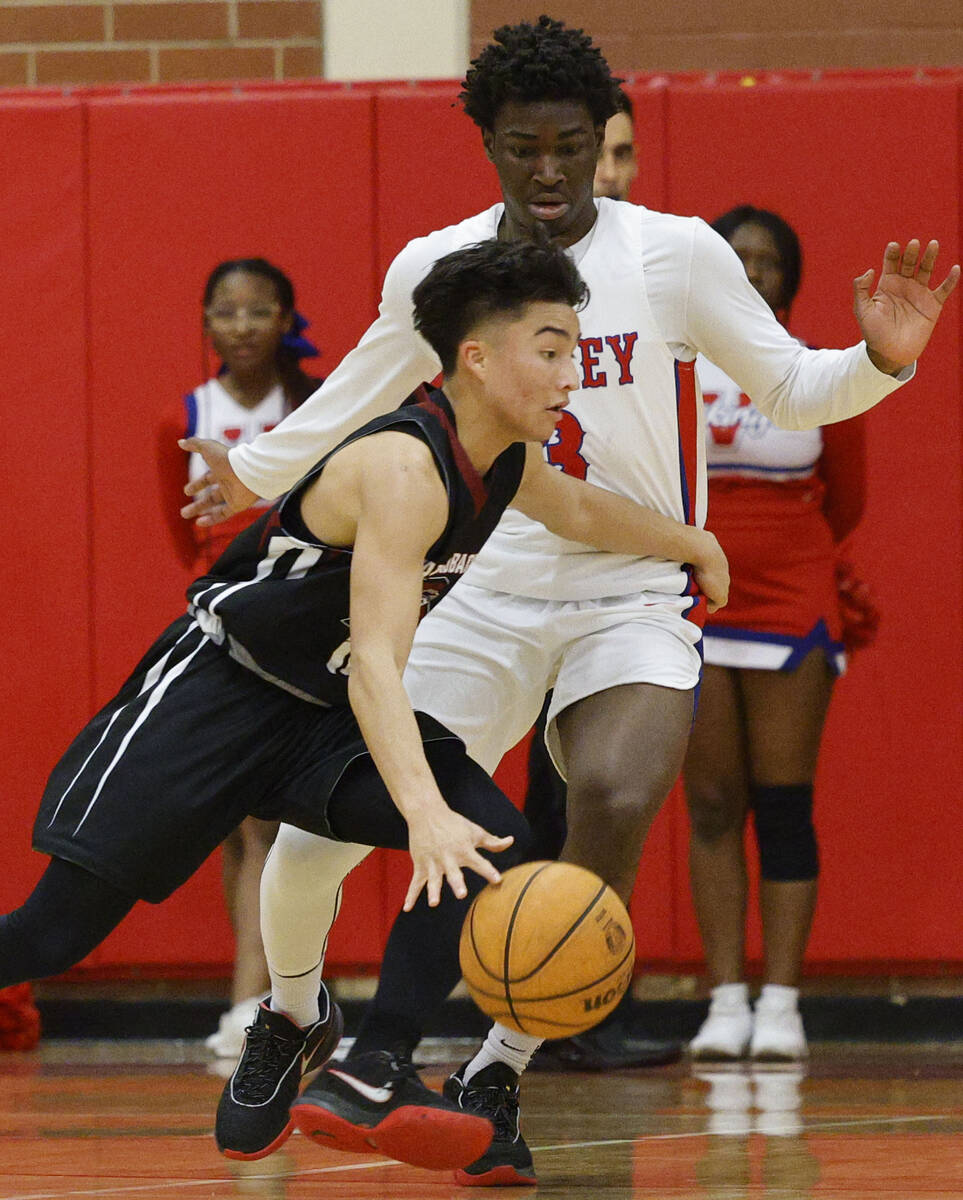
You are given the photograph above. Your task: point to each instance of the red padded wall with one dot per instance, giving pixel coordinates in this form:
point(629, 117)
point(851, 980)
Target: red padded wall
point(45, 642)
point(852, 165)
point(330, 183)
point(430, 168)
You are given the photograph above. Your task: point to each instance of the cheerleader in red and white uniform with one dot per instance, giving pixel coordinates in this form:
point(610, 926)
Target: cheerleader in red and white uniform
point(255, 330)
point(781, 502)
point(251, 322)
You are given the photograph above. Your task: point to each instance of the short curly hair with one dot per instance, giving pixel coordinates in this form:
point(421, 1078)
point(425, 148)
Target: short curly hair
point(531, 63)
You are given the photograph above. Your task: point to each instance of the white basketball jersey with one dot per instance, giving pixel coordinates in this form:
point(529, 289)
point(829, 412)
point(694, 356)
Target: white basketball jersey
point(633, 427)
point(663, 288)
point(740, 440)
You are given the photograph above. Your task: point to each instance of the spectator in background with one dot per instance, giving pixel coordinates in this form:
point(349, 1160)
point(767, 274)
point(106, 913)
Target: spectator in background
point(782, 503)
point(618, 1042)
point(251, 322)
point(618, 164)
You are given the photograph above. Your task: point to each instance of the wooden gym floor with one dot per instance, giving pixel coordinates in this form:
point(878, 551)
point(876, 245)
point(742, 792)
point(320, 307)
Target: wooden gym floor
point(132, 1121)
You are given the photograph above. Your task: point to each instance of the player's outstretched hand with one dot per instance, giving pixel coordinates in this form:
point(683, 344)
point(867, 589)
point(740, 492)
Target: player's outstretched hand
point(440, 846)
point(711, 571)
point(897, 319)
point(218, 493)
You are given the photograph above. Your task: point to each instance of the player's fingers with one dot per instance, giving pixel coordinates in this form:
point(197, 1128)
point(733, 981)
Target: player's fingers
point(948, 284)
point(490, 842)
point(863, 289)
point(891, 257)
point(927, 262)
point(414, 888)
point(203, 483)
point(433, 890)
point(487, 870)
point(907, 265)
point(456, 880)
point(213, 516)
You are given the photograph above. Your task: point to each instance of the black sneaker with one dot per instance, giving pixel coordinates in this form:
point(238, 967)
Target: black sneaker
point(605, 1048)
point(493, 1093)
point(253, 1117)
point(376, 1101)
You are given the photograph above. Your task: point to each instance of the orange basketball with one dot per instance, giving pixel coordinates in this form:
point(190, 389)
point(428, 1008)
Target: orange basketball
point(549, 951)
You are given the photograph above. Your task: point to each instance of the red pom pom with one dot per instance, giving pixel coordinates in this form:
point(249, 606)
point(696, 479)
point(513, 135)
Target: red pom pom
point(857, 609)
point(19, 1019)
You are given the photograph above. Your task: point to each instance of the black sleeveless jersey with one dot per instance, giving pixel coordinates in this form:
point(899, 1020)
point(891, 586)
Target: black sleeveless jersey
point(278, 598)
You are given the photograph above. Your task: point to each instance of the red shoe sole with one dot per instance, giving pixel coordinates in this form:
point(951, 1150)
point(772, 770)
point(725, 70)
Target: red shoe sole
point(496, 1177)
point(421, 1137)
point(278, 1141)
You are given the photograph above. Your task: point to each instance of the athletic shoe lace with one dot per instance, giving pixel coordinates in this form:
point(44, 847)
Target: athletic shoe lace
point(499, 1105)
point(266, 1058)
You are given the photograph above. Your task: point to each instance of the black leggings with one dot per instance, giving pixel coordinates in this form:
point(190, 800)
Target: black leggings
point(71, 911)
point(360, 809)
point(67, 915)
point(420, 966)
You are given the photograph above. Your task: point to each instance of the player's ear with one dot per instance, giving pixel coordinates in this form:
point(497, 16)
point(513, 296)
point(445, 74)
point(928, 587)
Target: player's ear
point(488, 141)
point(473, 356)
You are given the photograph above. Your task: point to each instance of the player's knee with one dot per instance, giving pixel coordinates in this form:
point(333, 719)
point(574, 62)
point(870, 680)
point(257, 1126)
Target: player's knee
point(715, 812)
point(616, 808)
point(783, 816)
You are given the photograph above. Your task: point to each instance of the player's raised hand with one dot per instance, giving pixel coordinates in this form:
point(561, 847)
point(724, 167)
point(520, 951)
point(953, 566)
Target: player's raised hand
point(218, 493)
point(440, 846)
point(898, 317)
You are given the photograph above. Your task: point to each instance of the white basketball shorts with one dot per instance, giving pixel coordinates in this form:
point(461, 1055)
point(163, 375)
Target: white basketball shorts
point(482, 661)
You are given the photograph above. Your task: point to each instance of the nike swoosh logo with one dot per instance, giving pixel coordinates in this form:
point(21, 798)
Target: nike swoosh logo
point(509, 1046)
point(378, 1095)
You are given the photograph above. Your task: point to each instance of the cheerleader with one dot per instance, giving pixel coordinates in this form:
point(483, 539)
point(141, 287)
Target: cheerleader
point(251, 324)
point(781, 503)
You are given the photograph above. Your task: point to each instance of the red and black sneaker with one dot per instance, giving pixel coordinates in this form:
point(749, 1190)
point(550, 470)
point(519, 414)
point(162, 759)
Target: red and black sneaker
point(492, 1092)
point(375, 1101)
point(253, 1117)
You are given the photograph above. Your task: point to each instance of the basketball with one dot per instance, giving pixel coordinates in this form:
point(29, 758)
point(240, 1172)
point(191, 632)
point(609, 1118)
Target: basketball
point(549, 951)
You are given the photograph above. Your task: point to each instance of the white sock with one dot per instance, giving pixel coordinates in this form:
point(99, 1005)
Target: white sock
point(300, 896)
point(731, 994)
point(503, 1045)
point(777, 995)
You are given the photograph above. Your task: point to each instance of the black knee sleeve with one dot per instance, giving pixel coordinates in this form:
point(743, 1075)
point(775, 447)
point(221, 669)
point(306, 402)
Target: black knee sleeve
point(783, 816)
point(471, 791)
point(360, 809)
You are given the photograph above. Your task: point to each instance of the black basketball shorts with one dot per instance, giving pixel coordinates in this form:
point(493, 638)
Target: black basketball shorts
point(191, 745)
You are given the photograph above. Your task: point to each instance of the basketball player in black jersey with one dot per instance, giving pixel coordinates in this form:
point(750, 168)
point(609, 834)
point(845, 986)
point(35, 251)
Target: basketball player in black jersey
point(245, 706)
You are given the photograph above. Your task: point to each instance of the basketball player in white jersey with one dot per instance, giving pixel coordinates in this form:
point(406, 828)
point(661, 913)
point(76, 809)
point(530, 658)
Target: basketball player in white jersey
point(617, 1042)
point(617, 637)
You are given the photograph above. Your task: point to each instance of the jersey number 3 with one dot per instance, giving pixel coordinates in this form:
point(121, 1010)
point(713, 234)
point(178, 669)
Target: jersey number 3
point(562, 448)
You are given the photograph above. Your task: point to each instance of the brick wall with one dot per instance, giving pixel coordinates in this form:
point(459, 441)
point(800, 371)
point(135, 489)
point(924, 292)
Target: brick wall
point(63, 42)
point(52, 42)
point(718, 35)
